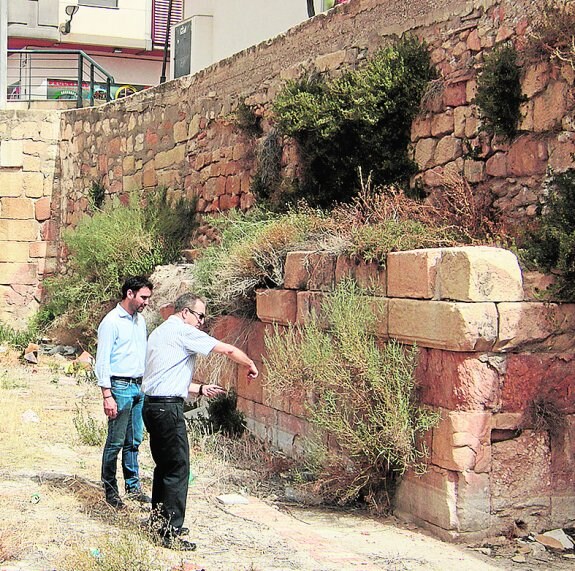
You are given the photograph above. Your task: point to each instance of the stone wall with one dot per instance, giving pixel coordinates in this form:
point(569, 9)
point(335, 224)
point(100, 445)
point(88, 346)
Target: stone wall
point(28, 209)
point(487, 351)
point(183, 135)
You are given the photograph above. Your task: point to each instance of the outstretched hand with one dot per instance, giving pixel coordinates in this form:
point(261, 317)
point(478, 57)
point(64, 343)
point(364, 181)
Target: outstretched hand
point(212, 391)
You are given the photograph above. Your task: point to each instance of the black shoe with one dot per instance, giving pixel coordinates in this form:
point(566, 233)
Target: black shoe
point(179, 531)
point(116, 503)
point(178, 544)
point(139, 496)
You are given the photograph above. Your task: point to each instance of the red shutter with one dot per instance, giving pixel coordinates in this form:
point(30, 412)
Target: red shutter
point(160, 18)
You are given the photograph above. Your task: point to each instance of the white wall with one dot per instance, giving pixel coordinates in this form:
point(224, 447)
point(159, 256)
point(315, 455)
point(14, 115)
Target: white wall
point(128, 26)
point(239, 24)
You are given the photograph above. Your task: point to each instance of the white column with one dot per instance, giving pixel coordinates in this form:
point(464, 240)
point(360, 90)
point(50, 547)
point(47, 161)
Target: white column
point(3, 52)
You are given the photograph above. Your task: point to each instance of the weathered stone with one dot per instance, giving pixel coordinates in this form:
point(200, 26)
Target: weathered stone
point(535, 79)
point(308, 303)
point(328, 62)
point(527, 156)
point(171, 158)
point(276, 306)
point(474, 171)
point(460, 438)
point(309, 270)
point(521, 479)
point(561, 152)
point(533, 326)
point(549, 107)
point(473, 502)
point(430, 497)
point(444, 325)
point(448, 149)
point(496, 165)
point(539, 376)
point(458, 381)
point(33, 184)
point(442, 124)
point(11, 183)
point(42, 209)
point(479, 274)
point(16, 208)
point(133, 182)
point(413, 273)
point(13, 251)
point(455, 95)
point(424, 151)
point(420, 128)
point(14, 273)
point(369, 276)
point(11, 153)
point(19, 230)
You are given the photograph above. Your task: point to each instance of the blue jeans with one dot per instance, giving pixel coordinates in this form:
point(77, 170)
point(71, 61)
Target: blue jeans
point(124, 433)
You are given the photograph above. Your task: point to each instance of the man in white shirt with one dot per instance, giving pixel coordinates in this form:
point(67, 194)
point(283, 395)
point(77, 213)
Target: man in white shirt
point(120, 361)
point(170, 365)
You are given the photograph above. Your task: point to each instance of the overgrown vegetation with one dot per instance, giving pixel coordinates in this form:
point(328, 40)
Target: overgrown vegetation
point(499, 94)
point(360, 396)
point(542, 415)
point(18, 339)
point(221, 416)
point(253, 246)
point(115, 242)
point(551, 246)
point(553, 32)
point(90, 431)
point(248, 120)
point(361, 119)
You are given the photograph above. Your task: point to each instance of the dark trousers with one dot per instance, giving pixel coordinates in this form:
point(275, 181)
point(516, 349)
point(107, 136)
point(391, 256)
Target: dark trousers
point(171, 452)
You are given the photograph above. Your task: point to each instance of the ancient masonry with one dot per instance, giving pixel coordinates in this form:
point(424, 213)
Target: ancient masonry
point(488, 351)
point(487, 348)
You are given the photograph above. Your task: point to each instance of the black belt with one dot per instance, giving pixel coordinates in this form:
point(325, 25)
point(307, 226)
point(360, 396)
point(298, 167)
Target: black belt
point(164, 399)
point(137, 380)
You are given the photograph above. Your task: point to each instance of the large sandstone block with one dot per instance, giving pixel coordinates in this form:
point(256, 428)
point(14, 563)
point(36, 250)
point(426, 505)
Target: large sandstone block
point(479, 274)
point(11, 183)
point(11, 153)
point(15, 273)
point(14, 251)
point(444, 325)
point(532, 326)
point(276, 306)
point(309, 270)
point(413, 273)
point(539, 376)
point(430, 497)
point(459, 381)
point(521, 480)
point(16, 208)
point(308, 304)
point(18, 230)
point(473, 502)
point(461, 441)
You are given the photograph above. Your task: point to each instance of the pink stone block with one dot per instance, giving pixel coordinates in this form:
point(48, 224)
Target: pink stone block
point(277, 306)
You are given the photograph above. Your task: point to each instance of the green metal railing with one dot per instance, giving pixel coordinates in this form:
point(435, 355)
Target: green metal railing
point(44, 74)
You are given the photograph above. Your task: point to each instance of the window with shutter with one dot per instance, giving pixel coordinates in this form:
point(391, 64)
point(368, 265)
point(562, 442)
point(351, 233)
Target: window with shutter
point(160, 18)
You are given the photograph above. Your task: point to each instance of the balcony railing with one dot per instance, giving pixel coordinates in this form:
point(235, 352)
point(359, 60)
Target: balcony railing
point(44, 74)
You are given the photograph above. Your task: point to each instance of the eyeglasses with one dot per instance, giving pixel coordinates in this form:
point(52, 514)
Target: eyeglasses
point(200, 316)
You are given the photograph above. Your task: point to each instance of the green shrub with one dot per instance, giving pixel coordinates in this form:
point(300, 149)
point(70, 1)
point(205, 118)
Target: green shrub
point(552, 246)
point(18, 339)
point(361, 119)
point(499, 94)
point(90, 431)
point(360, 395)
point(112, 244)
point(248, 120)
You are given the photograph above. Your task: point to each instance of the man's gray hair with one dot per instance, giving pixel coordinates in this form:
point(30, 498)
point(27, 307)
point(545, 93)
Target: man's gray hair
point(186, 300)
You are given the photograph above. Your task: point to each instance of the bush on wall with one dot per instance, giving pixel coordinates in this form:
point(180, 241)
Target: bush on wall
point(360, 395)
point(361, 119)
point(499, 94)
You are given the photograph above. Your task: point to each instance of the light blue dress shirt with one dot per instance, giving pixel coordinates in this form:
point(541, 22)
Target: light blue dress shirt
point(121, 346)
point(171, 357)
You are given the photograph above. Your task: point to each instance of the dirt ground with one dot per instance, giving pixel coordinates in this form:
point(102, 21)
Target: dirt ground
point(53, 518)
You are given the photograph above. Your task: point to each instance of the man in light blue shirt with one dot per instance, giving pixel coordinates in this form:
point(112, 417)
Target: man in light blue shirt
point(170, 364)
point(120, 361)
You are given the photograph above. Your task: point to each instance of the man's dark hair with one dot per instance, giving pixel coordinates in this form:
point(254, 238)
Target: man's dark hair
point(135, 283)
point(186, 300)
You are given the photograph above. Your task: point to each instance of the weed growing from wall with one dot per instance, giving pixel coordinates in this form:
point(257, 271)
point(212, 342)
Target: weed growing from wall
point(361, 397)
point(499, 94)
point(361, 119)
point(266, 182)
point(248, 120)
point(90, 431)
point(552, 246)
point(115, 242)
